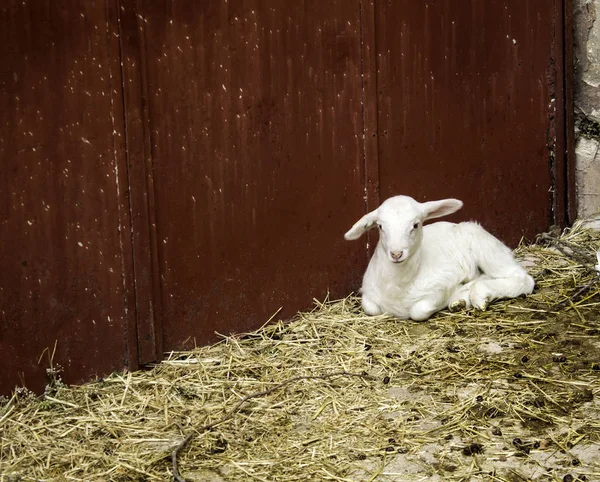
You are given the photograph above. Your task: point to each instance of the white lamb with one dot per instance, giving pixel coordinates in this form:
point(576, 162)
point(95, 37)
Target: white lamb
point(418, 270)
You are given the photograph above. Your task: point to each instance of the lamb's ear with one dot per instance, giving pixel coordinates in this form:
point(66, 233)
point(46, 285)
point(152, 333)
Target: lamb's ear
point(437, 209)
point(361, 226)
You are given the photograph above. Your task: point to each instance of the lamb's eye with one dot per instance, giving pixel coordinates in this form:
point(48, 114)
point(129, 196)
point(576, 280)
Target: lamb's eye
point(379, 226)
point(415, 226)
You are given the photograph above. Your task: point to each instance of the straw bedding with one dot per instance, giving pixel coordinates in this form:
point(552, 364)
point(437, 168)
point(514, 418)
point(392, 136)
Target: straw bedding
point(510, 394)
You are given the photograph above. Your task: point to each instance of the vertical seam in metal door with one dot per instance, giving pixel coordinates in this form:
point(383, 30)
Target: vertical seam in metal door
point(568, 78)
point(559, 168)
point(370, 109)
point(151, 190)
point(129, 228)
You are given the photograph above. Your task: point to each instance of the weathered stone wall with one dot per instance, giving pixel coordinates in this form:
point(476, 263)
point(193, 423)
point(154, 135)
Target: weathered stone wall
point(587, 105)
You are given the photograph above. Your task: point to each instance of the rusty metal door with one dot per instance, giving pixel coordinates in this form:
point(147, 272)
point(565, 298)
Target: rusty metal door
point(175, 169)
point(266, 123)
point(470, 104)
point(254, 125)
point(65, 278)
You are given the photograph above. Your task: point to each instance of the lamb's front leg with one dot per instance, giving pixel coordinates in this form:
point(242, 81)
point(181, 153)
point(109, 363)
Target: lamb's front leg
point(370, 307)
point(460, 298)
point(426, 307)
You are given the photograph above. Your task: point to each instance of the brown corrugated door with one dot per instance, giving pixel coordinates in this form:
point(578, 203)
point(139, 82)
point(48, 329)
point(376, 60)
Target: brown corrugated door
point(263, 130)
point(469, 96)
point(65, 269)
point(174, 169)
point(254, 120)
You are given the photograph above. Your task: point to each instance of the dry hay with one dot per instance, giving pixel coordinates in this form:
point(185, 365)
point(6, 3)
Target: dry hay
point(510, 394)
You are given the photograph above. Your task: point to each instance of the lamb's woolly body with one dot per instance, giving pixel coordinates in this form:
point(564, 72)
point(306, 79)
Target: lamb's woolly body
point(433, 271)
point(456, 265)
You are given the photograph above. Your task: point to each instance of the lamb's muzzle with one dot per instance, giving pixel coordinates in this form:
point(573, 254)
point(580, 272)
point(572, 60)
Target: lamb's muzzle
point(397, 256)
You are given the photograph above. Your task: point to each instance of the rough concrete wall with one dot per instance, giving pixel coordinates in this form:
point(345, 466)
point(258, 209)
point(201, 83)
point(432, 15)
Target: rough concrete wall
point(587, 105)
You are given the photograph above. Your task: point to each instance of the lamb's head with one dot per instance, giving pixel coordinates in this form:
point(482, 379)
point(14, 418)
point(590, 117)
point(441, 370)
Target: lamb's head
point(400, 222)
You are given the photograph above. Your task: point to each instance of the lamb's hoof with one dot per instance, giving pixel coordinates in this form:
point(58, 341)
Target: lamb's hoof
point(482, 304)
point(457, 305)
point(480, 297)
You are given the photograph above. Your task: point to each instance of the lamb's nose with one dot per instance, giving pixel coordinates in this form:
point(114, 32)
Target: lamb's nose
point(396, 254)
